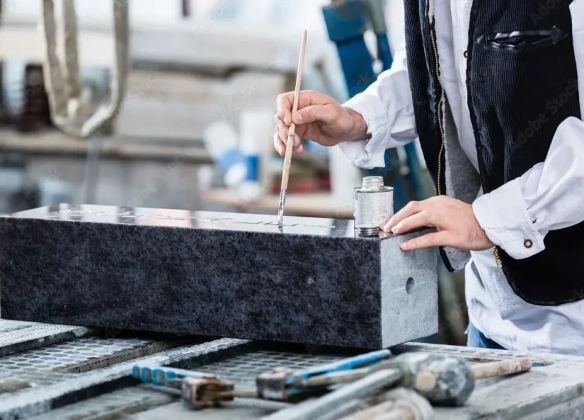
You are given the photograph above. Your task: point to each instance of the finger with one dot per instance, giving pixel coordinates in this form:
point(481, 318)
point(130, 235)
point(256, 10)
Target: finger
point(284, 106)
point(426, 241)
point(278, 145)
point(418, 220)
point(325, 113)
point(298, 146)
point(410, 209)
point(297, 140)
point(296, 143)
point(282, 131)
point(306, 98)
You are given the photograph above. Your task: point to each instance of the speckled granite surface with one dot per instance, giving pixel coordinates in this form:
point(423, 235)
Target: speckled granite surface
point(216, 274)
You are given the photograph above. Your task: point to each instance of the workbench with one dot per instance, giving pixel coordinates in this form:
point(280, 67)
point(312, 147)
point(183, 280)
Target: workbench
point(67, 372)
point(321, 204)
point(132, 170)
point(55, 143)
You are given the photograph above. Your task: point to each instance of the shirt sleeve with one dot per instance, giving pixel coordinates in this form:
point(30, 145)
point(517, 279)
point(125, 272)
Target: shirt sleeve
point(577, 10)
point(550, 196)
point(386, 107)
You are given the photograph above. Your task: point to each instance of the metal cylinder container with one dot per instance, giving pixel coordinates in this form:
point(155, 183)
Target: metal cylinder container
point(372, 206)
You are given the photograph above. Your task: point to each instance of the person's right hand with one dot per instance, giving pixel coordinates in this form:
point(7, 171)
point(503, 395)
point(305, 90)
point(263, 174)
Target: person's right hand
point(319, 118)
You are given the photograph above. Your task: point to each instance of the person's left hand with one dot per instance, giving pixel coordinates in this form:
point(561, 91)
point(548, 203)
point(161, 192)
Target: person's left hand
point(453, 219)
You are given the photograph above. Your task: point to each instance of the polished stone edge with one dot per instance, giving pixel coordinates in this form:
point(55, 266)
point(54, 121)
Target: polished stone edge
point(199, 220)
point(409, 291)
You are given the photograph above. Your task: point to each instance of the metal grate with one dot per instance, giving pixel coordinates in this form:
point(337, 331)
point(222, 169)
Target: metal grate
point(115, 405)
point(243, 370)
point(31, 379)
point(50, 389)
point(65, 354)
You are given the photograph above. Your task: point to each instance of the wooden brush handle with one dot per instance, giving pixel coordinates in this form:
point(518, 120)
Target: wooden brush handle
point(292, 130)
point(288, 156)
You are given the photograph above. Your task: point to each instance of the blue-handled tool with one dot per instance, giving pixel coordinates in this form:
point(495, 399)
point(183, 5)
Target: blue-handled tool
point(204, 389)
point(163, 375)
point(342, 365)
point(284, 384)
point(198, 389)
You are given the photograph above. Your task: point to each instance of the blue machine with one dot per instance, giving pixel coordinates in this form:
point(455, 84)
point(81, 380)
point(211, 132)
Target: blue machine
point(347, 21)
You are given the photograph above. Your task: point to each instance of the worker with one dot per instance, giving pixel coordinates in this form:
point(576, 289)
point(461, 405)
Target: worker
point(491, 89)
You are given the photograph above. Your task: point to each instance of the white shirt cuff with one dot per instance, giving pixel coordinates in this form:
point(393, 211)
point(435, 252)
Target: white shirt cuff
point(504, 217)
point(368, 153)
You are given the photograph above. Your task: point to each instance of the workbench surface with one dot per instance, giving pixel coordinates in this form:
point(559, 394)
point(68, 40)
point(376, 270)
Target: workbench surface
point(64, 372)
point(55, 143)
point(308, 205)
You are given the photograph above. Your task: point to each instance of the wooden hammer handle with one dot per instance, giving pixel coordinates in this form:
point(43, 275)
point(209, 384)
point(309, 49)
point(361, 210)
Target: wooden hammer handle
point(503, 367)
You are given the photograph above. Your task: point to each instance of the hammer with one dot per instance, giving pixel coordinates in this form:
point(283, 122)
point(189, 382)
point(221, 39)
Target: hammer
point(449, 381)
point(397, 404)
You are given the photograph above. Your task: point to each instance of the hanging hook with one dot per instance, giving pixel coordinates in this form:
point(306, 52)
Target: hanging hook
point(62, 78)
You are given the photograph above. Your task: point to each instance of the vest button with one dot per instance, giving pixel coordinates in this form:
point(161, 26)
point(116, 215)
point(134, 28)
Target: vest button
point(465, 53)
point(528, 243)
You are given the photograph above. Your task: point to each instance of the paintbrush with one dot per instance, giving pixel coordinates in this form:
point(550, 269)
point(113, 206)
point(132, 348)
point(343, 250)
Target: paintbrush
point(291, 133)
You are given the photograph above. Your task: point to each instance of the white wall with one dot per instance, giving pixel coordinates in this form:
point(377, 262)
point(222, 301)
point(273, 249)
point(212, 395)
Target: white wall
point(143, 11)
point(256, 15)
point(274, 13)
point(259, 29)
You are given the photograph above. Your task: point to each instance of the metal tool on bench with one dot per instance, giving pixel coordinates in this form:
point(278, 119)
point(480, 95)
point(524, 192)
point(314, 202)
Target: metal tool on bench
point(397, 404)
point(439, 380)
point(285, 384)
point(342, 401)
point(198, 389)
point(165, 376)
point(424, 379)
point(449, 381)
point(210, 391)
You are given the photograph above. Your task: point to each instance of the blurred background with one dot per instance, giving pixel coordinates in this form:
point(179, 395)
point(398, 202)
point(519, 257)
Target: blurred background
point(195, 128)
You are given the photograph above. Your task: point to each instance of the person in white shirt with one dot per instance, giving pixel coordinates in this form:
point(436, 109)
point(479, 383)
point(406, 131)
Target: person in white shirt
point(494, 92)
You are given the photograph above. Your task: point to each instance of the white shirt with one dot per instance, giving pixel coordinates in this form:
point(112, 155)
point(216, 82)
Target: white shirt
point(552, 192)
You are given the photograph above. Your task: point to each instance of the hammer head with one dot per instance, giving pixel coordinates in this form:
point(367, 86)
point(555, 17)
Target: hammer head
point(199, 392)
point(273, 385)
point(444, 381)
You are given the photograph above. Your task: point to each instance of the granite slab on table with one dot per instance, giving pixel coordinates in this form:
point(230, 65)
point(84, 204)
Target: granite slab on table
point(216, 274)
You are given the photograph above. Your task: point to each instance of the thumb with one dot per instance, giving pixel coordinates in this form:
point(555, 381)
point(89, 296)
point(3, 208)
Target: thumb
point(310, 114)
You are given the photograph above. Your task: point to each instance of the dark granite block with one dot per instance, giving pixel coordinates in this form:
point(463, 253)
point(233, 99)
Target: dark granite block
point(216, 274)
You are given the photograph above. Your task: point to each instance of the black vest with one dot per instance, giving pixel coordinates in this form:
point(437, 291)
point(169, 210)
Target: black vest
point(522, 84)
